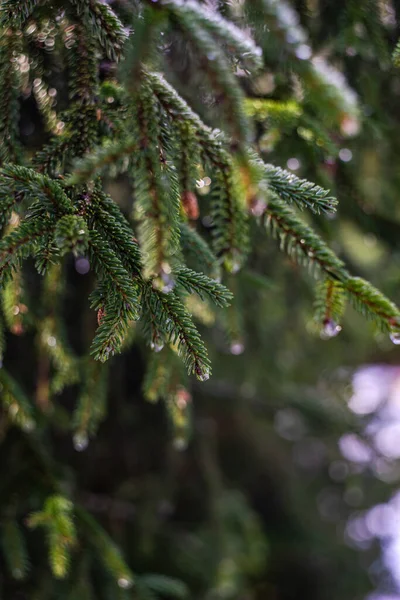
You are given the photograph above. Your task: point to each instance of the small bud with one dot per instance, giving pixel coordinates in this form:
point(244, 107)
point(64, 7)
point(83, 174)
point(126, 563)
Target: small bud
point(101, 313)
point(190, 205)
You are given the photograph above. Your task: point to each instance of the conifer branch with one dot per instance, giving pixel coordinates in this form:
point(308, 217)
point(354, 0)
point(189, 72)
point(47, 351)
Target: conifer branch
point(91, 406)
point(230, 226)
point(37, 186)
point(299, 191)
point(57, 518)
point(14, 307)
point(163, 374)
point(196, 249)
point(175, 325)
point(218, 71)
point(19, 408)
point(53, 338)
point(307, 248)
point(117, 230)
point(108, 553)
point(104, 25)
point(113, 154)
point(16, 12)
point(200, 16)
point(373, 304)
point(301, 243)
point(10, 148)
point(20, 243)
point(330, 303)
point(156, 191)
point(109, 266)
point(119, 299)
point(202, 285)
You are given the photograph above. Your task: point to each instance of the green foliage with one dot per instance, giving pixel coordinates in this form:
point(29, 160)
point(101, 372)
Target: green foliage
point(194, 195)
point(57, 518)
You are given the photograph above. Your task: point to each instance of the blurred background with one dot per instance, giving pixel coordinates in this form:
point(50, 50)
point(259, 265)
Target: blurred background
point(288, 487)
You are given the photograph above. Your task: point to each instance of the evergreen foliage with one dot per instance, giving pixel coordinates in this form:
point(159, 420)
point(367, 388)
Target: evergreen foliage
point(140, 122)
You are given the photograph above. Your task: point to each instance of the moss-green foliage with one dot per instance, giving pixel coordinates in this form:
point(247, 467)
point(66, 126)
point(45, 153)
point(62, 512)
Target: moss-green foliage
point(150, 258)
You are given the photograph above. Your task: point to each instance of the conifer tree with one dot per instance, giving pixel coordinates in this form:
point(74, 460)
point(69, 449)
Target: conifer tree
point(134, 96)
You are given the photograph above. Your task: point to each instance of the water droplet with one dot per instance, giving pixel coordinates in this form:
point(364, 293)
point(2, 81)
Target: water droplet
point(258, 207)
point(82, 265)
point(237, 348)
point(17, 573)
point(235, 267)
point(233, 263)
point(164, 282)
point(331, 329)
point(395, 337)
point(179, 443)
point(157, 346)
point(124, 583)
point(293, 164)
point(303, 52)
point(203, 374)
point(28, 425)
point(345, 155)
point(80, 441)
point(51, 341)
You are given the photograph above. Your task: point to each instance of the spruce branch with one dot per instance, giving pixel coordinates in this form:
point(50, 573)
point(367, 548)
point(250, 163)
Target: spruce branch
point(166, 586)
point(108, 266)
point(57, 518)
point(202, 285)
point(396, 55)
point(164, 373)
point(301, 243)
point(10, 47)
point(197, 251)
point(299, 191)
point(172, 321)
point(326, 89)
point(156, 191)
point(36, 186)
point(307, 248)
point(91, 406)
point(108, 553)
point(16, 12)
point(117, 230)
point(53, 339)
point(119, 299)
point(13, 301)
point(20, 243)
point(83, 89)
point(371, 303)
point(329, 305)
point(200, 16)
point(95, 163)
point(217, 70)
point(229, 216)
point(19, 409)
point(104, 25)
